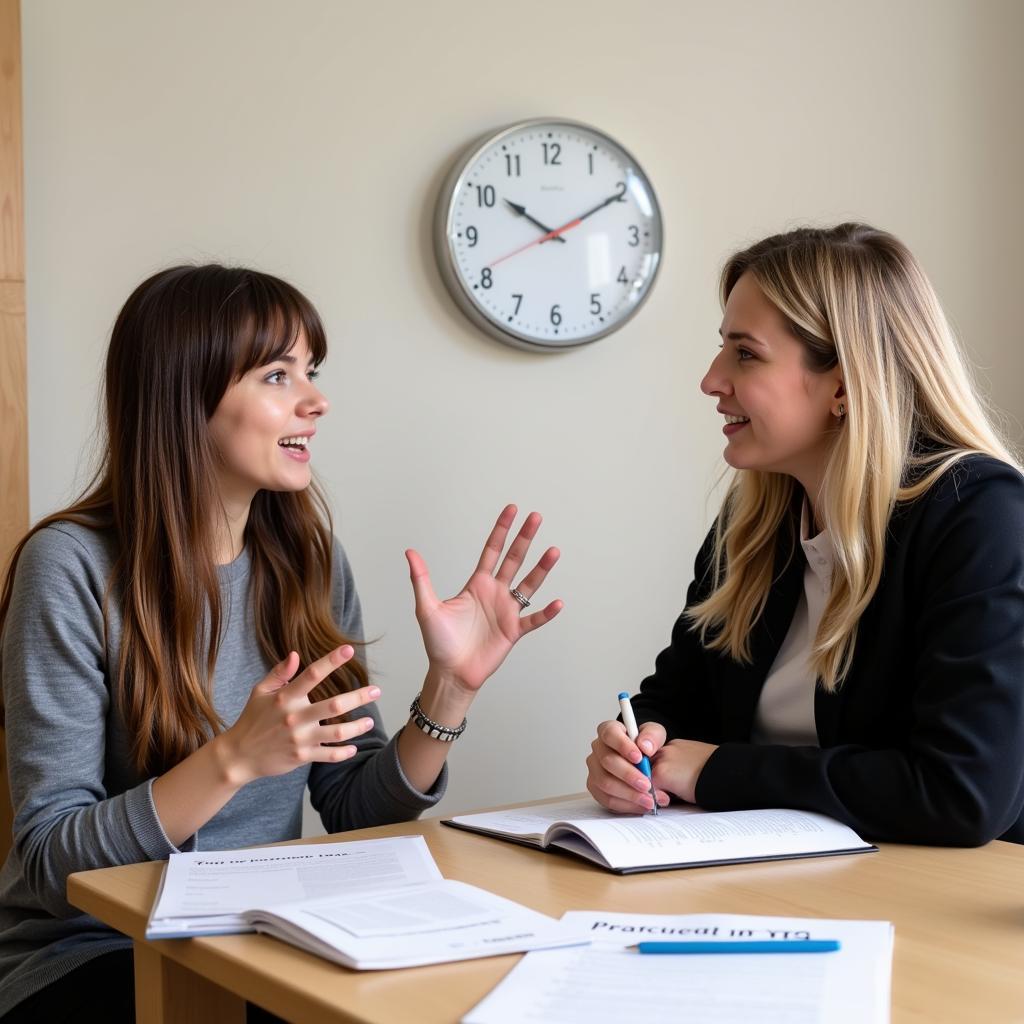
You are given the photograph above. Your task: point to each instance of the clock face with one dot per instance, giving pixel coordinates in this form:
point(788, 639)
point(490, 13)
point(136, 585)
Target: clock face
point(548, 234)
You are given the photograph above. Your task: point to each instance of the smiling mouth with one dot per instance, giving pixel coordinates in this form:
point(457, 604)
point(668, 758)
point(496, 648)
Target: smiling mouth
point(294, 443)
point(730, 420)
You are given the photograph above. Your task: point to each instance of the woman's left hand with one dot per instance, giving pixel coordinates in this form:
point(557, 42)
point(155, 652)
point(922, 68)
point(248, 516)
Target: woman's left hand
point(677, 767)
point(468, 636)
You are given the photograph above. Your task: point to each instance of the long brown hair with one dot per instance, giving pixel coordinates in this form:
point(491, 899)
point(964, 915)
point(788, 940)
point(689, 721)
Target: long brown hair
point(854, 296)
point(183, 337)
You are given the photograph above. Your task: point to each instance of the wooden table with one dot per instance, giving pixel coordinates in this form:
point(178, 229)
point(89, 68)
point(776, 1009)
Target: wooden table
point(959, 917)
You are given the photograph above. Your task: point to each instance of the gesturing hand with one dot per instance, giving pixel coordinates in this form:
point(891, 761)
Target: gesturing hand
point(280, 728)
point(468, 636)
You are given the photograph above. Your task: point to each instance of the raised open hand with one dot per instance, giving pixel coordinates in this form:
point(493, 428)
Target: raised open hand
point(468, 636)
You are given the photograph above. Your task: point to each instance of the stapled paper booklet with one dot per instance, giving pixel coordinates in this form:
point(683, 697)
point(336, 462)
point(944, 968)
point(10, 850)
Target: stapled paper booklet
point(678, 837)
point(367, 905)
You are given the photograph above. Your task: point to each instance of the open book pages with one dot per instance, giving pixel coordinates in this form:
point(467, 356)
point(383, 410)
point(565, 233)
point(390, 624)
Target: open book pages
point(372, 904)
point(678, 837)
point(609, 982)
point(427, 924)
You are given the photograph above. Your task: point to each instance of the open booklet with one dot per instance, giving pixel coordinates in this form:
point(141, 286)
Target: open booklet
point(368, 905)
point(678, 837)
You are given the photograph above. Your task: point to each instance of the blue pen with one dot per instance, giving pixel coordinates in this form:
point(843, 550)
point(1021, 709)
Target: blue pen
point(629, 721)
point(752, 946)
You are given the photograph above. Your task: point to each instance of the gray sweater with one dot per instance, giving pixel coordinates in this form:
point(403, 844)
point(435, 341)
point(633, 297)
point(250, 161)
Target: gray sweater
point(79, 804)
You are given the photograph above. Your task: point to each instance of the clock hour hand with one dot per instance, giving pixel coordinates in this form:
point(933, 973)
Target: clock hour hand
point(521, 211)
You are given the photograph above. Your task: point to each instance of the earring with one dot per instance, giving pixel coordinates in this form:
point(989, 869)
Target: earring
point(842, 411)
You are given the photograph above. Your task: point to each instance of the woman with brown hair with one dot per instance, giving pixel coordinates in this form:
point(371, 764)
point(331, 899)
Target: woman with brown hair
point(201, 561)
point(853, 639)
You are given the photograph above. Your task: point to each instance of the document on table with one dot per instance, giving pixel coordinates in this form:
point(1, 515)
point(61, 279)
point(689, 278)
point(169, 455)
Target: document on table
point(426, 924)
point(370, 905)
point(207, 893)
point(609, 982)
point(679, 837)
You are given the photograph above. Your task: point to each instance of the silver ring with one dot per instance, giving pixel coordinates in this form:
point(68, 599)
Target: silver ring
point(524, 601)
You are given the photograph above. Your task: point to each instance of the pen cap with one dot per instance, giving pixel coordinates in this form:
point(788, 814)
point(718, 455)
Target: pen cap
point(628, 718)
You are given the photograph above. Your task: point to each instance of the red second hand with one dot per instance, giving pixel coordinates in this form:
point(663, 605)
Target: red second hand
point(536, 241)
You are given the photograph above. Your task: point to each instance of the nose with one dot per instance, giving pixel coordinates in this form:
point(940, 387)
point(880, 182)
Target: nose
point(313, 402)
point(716, 382)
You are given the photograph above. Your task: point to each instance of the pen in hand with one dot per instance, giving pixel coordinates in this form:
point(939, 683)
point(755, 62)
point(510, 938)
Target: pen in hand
point(629, 721)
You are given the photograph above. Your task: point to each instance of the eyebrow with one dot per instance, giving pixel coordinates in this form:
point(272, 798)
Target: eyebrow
point(291, 360)
point(742, 336)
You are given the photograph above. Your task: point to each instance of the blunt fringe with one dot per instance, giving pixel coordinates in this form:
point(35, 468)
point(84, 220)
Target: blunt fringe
point(183, 337)
point(854, 296)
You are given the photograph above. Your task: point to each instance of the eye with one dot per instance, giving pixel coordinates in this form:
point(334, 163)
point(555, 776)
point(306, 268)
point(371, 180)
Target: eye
point(743, 354)
point(313, 374)
point(276, 377)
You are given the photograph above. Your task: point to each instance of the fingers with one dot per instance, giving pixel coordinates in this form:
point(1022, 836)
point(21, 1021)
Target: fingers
point(341, 732)
point(528, 623)
point(518, 548)
point(532, 581)
point(422, 588)
point(280, 674)
point(340, 704)
point(613, 735)
point(651, 738)
point(495, 542)
point(316, 673)
point(605, 782)
point(613, 767)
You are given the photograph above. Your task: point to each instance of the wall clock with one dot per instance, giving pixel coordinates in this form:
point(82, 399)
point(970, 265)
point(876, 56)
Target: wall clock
point(548, 234)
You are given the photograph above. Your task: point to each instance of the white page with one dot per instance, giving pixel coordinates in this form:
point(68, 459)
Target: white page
point(434, 923)
point(206, 892)
point(680, 834)
point(607, 983)
point(533, 820)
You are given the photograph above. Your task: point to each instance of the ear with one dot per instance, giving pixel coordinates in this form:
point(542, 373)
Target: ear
point(838, 402)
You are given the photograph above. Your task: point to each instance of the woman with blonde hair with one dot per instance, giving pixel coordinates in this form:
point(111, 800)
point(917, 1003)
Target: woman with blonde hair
point(853, 639)
point(200, 562)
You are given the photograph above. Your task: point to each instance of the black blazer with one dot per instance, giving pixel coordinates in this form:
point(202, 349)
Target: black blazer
point(924, 741)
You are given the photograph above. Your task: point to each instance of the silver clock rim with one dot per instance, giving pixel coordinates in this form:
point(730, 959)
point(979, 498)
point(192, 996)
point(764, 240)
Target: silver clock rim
point(445, 253)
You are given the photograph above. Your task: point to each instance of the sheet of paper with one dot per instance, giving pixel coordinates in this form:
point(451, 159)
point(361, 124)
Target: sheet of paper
point(608, 983)
point(205, 893)
point(434, 923)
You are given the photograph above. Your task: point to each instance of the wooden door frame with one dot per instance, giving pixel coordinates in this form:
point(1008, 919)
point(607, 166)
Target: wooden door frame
point(13, 370)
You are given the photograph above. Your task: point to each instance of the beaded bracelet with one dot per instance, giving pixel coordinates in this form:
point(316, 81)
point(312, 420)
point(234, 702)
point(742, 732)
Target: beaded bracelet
point(430, 727)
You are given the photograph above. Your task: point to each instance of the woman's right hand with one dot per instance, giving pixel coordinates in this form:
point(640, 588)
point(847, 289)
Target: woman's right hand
point(613, 778)
point(280, 728)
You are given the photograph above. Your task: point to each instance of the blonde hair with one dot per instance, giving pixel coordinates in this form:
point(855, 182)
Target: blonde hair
point(855, 296)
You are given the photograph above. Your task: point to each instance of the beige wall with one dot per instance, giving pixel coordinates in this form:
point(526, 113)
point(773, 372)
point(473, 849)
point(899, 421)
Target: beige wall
point(310, 138)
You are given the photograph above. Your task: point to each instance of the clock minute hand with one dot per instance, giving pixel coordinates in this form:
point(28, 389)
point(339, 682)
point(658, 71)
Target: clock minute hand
point(521, 211)
point(600, 206)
